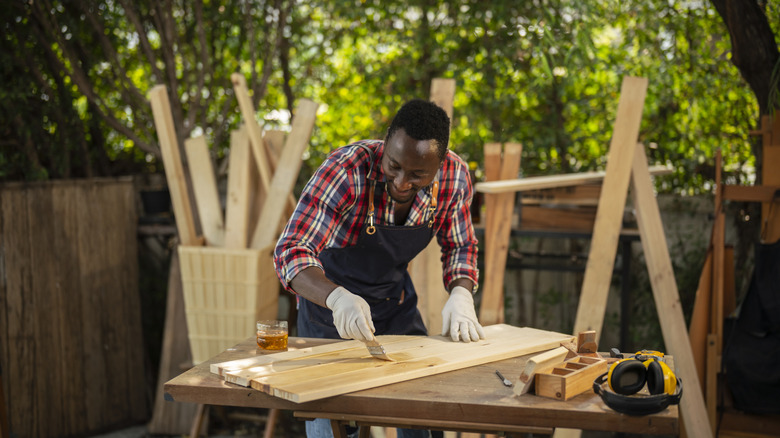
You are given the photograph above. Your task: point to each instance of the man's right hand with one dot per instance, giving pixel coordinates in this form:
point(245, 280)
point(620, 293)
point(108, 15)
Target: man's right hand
point(351, 315)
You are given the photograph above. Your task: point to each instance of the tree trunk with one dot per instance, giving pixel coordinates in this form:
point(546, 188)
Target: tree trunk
point(753, 48)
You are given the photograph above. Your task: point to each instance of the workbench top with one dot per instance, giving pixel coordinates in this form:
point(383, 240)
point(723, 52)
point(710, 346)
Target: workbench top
point(474, 395)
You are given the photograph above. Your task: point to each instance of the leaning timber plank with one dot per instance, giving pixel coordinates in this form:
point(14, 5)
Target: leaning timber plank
point(667, 298)
point(440, 356)
point(552, 181)
point(538, 364)
point(174, 171)
point(609, 217)
point(426, 269)
point(718, 249)
point(240, 190)
point(285, 175)
point(172, 418)
point(492, 307)
point(699, 327)
point(492, 154)
point(253, 129)
point(204, 187)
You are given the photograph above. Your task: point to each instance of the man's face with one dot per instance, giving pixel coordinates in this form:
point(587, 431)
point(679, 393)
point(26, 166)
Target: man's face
point(409, 165)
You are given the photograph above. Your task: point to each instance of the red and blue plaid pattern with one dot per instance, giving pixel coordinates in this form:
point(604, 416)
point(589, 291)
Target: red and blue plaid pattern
point(333, 207)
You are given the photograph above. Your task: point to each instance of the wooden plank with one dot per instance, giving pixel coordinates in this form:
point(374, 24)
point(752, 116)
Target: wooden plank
point(583, 195)
point(566, 180)
point(172, 418)
point(286, 174)
point(729, 282)
point(174, 171)
point(17, 349)
point(761, 193)
point(558, 218)
point(770, 211)
point(538, 364)
point(699, 327)
point(609, 217)
point(426, 269)
point(239, 191)
point(274, 142)
point(667, 298)
point(492, 163)
point(718, 259)
point(351, 368)
point(254, 131)
point(499, 227)
point(66, 204)
point(204, 187)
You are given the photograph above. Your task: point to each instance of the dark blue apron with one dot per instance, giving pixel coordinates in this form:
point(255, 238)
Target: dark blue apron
point(375, 269)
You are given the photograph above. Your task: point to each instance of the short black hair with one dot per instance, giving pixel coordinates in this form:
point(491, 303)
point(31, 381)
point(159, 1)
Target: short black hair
point(423, 120)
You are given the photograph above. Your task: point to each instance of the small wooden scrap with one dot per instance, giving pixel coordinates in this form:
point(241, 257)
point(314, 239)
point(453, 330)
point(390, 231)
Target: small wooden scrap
point(587, 344)
point(538, 364)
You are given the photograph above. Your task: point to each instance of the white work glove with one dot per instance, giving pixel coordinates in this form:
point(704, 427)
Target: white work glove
point(459, 319)
point(351, 315)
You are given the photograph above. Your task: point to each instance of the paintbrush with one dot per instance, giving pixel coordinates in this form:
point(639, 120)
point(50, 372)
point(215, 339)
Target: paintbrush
point(377, 350)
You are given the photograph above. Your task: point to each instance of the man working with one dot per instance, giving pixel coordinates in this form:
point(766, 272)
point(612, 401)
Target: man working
point(367, 211)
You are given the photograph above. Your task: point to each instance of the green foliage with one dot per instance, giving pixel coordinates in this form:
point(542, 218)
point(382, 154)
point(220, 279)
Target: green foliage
point(546, 74)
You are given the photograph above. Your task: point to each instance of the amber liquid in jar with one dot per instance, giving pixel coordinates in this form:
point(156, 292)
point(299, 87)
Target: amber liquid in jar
point(272, 341)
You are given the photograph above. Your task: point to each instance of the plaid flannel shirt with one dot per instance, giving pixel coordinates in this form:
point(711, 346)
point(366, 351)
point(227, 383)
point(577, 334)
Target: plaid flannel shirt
point(333, 207)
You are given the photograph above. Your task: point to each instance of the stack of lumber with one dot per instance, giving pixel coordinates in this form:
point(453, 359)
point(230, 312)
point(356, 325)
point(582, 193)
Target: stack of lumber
point(227, 269)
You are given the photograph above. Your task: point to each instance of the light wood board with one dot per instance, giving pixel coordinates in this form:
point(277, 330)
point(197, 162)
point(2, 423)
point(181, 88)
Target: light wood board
point(174, 170)
point(204, 186)
point(667, 297)
point(552, 181)
point(240, 190)
point(609, 217)
point(343, 367)
point(498, 227)
point(267, 228)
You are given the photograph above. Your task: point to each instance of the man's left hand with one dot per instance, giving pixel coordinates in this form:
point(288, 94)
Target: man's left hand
point(459, 320)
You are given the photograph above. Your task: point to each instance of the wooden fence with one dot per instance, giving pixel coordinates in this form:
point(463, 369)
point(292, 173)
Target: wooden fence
point(71, 345)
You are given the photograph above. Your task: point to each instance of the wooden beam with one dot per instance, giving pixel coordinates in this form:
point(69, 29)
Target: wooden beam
point(667, 297)
point(498, 226)
point(204, 187)
point(751, 193)
point(552, 181)
point(254, 131)
point(240, 190)
point(286, 174)
point(174, 170)
point(609, 217)
point(699, 327)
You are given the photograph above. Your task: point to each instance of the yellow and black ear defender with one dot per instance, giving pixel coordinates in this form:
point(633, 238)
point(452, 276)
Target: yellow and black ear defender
point(627, 377)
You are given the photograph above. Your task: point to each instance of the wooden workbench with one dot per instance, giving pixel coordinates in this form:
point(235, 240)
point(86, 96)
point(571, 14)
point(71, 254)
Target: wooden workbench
point(471, 399)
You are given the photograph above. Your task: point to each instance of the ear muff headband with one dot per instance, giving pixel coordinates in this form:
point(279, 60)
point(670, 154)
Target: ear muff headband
point(636, 404)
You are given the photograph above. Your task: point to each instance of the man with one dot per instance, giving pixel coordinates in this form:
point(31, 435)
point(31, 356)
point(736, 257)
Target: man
point(367, 211)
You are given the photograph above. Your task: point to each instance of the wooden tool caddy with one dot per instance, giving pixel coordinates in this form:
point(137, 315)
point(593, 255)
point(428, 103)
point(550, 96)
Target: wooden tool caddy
point(570, 378)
